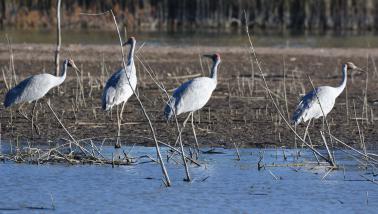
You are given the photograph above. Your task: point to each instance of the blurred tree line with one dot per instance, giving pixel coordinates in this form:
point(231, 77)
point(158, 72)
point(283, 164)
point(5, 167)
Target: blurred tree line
point(176, 14)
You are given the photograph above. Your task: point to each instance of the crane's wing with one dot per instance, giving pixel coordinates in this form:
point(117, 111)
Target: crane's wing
point(306, 103)
point(118, 85)
point(30, 89)
point(170, 108)
point(113, 80)
point(14, 95)
point(110, 90)
point(190, 96)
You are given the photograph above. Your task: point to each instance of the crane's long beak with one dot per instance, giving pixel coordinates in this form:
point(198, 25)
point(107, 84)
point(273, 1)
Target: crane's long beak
point(127, 43)
point(359, 69)
point(208, 56)
point(74, 66)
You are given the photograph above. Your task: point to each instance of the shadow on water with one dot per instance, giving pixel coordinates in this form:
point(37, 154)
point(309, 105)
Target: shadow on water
point(285, 183)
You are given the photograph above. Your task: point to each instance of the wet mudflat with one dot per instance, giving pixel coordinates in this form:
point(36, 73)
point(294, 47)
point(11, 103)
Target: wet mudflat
point(239, 110)
point(220, 184)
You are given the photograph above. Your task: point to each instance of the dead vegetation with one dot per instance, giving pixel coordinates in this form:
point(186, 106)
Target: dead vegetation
point(251, 106)
point(238, 109)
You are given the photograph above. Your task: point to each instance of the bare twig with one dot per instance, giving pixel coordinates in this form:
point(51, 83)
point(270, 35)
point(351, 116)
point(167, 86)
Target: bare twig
point(59, 37)
point(274, 103)
point(164, 170)
point(11, 62)
point(85, 151)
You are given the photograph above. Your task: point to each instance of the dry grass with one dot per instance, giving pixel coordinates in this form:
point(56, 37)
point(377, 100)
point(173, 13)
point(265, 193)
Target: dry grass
point(239, 108)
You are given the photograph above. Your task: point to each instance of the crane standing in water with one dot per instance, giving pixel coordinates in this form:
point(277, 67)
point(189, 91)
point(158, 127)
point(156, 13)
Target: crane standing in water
point(193, 94)
point(121, 85)
point(35, 87)
point(320, 102)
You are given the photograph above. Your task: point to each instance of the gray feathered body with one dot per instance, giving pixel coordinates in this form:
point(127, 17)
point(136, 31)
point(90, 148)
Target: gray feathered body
point(309, 106)
point(117, 89)
point(319, 102)
point(190, 96)
point(32, 88)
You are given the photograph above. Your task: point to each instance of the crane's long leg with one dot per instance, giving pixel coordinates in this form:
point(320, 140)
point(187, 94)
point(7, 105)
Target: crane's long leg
point(118, 145)
point(179, 136)
point(194, 133)
point(123, 108)
point(304, 137)
point(183, 156)
point(179, 139)
point(306, 131)
point(182, 129)
point(20, 107)
point(32, 118)
point(295, 137)
point(20, 110)
point(29, 119)
point(316, 156)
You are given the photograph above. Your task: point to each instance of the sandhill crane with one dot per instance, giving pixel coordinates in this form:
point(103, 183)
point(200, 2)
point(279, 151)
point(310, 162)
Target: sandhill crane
point(193, 94)
point(35, 87)
point(309, 107)
point(121, 85)
point(117, 89)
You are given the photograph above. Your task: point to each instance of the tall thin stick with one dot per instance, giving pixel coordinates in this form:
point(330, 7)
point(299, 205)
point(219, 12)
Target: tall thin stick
point(58, 39)
point(11, 63)
point(179, 137)
point(328, 127)
point(284, 85)
point(164, 170)
point(85, 151)
point(274, 103)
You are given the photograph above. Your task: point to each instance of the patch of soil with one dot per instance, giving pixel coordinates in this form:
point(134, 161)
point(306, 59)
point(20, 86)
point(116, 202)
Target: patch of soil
point(239, 110)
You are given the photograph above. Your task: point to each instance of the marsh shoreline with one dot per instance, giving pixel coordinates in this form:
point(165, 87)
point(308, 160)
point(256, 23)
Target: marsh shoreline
point(239, 110)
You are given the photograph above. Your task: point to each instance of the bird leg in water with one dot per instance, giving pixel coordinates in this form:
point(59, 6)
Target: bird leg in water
point(194, 133)
point(304, 138)
point(179, 139)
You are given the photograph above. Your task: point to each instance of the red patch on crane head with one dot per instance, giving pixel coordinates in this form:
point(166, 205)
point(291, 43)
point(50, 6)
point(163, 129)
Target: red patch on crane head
point(216, 56)
point(130, 41)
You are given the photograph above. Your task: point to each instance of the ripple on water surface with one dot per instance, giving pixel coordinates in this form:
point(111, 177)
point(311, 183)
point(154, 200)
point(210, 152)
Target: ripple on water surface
point(222, 184)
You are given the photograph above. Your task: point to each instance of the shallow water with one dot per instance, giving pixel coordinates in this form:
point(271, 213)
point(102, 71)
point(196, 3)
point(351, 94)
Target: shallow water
point(221, 184)
point(203, 37)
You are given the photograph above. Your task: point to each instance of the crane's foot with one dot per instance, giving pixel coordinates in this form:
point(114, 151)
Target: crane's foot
point(37, 129)
point(117, 145)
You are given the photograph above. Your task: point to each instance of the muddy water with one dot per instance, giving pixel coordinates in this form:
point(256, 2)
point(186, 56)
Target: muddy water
point(222, 184)
point(202, 37)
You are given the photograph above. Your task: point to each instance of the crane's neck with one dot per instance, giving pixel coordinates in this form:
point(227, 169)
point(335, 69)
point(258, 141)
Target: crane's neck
point(57, 80)
point(130, 58)
point(342, 85)
point(214, 70)
point(63, 73)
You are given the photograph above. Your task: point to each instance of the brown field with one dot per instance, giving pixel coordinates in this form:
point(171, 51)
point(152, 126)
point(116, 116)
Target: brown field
point(239, 110)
